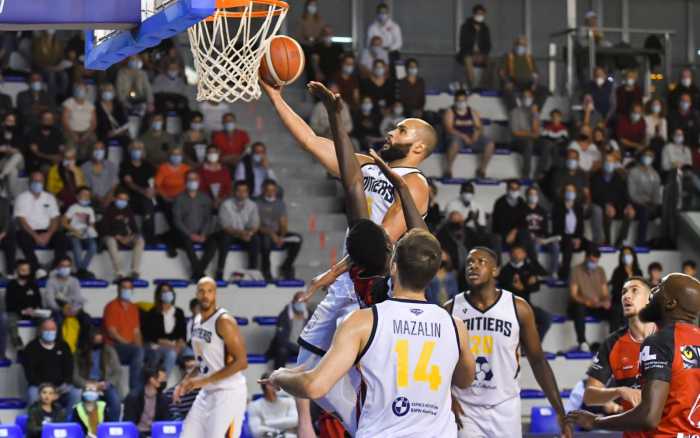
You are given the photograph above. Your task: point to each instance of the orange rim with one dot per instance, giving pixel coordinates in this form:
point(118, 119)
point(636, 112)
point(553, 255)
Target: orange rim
point(223, 6)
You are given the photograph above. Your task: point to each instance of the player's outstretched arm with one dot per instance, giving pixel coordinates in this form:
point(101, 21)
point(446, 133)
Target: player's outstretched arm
point(465, 370)
point(349, 340)
point(394, 222)
point(597, 394)
point(530, 340)
point(325, 279)
point(350, 172)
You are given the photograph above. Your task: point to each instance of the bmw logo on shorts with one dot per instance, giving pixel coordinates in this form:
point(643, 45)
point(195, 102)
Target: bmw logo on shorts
point(401, 406)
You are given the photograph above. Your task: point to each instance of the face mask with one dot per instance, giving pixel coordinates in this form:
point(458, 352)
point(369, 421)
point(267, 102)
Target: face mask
point(570, 196)
point(412, 71)
point(136, 154)
point(37, 86)
point(157, 126)
point(348, 69)
point(630, 82)
point(48, 336)
point(395, 152)
point(467, 197)
point(652, 312)
point(175, 160)
point(90, 396)
point(257, 159)
point(599, 81)
point(608, 167)
point(108, 95)
point(366, 108)
point(398, 111)
point(98, 154)
point(678, 139)
point(121, 204)
point(461, 105)
point(63, 271)
point(68, 163)
point(125, 294)
point(686, 82)
point(311, 9)
point(84, 202)
point(196, 126)
point(379, 71)
point(513, 194)
point(36, 187)
point(517, 265)
point(520, 50)
point(213, 157)
point(230, 126)
point(479, 18)
point(172, 74)
point(591, 265)
point(47, 126)
point(270, 198)
point(628, 259)
point(299, 307)
point(685, 106)
point(656, 109)
point(635, 117)
point(382, 17)
point(136, 64)
point(79, 93)
point(572, 164)
point(24, 276)
point(533, 199)
point(647, 160)
point(527, 101)
point(167, 297)
point(192, 186)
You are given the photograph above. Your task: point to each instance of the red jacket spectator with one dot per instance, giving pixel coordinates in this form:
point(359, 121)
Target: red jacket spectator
point(634, 132)
point(210, 176)
point(231, 143)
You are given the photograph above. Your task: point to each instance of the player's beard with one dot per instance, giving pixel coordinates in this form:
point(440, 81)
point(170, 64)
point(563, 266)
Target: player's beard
point(394, 152)
point(652, 311)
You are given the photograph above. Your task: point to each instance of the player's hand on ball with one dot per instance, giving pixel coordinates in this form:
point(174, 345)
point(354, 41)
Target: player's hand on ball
point(582, 419)
point(269, 89)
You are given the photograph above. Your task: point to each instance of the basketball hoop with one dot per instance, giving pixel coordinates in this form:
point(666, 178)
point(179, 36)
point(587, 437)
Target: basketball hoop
point(228, 46)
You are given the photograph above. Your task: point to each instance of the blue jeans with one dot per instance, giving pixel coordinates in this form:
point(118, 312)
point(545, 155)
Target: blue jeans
point(162, 355)
point(132, 355)
point(67, 399)
point(90, 247)
point(114, 403)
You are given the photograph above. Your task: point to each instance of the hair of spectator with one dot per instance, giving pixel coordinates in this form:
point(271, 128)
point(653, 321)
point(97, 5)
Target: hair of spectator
point(647, 150)
point(378, 62)
point(21, 262)
point(689, 264)
point(191, 172)
point(269, 182)
point(258, 144)
point(410, 61)
point(121, 191)
point(348, 55)
point(467, 187)
point(554, 111)
point(151, 371)
point(516, 245)
point(122, 281)
point(640, 279)
point(514, 181)
point(196, 114)
point(655, 266)
point(417, 256)
point(45, 385)
point(232, 115)
point(488, 251)
point(159, 292)
point(461, 92)
point(240, 182)
point(212, 147)
point(81, 189)
point(367, 246)
point(592, 251)
point(382, 7)
point(478, 8)
point(64, 259)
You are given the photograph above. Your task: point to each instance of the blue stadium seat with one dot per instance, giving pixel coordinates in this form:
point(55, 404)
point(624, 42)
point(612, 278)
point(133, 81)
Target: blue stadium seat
point(251, 283)
point(21, 422)
point(62, 430)
point(265, 320)
point(166, 429)
point(11, 431)
point(543, 420)
point(124, 429)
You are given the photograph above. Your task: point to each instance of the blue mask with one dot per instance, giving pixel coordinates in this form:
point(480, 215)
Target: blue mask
point(84, 202)
point(591, 265)
point(192, 186)
point(98, 154)
point(167, 297)
point(121, 204)
point(175, 160)
point(48, 336)
point(136, 154)
point(36, 187)
point(63, 271)
point(90, 396)
point(108, 95)
point(570, 196)
point(628, 259)
point(571, 164)
point(299, 307)
point(126, 294)
point(79, 93)
point(647, 160)
point(608, 167)
point(157, 126)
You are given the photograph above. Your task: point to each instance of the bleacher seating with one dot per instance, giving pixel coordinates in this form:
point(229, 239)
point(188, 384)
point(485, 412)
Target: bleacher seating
point(120, 429)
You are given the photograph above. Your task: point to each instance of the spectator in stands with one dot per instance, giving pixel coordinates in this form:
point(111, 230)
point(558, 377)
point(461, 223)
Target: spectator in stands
point(290, 323)
point(178, 411)
point(570, 174)
point(157, 143)
point(47, 53)
point(366, 123)
point(138, 176)
point(392, 117)
point(474, 45)
point(47, 359)
point(327, 56)
point(476, 219)
point(627, 267)
point(195, 140)
point(240, 222)
point(604, 143)
point(308, 32)
point(685, 117)
point(164, 329)
point(45, 145)
point(122, 325)
point(44, 410)
point(101, 176)
point(525, 129)
point(610, 199)
point(118, 229)
point(8, 238)
point(685, 85)
point(434, 216)
point(319, 117)
point(133, 87)
point(112, 121)
point(388, 30)
point(676, 155)
point(556, 134)
point(231, 141)
point(274, 232)
point(567, 222)
point(12, 144)
point(644, 186)
point(444, 285)
point(601, 89)
point(6, 104)
point(22, 301)
point(213, 113)
point(464, 129)
point(194, 224)
point(65, 177)
point(412, 90)
point(505, 216)
point(215, 179)
point(519, 74)
point(631, 129)
point(589, 295)
point(99, 363)
point(254, 169)
point(534, 232)
point(34, 102)
point(451, 235)
point(38, 218)
point(655, 121)
point(689, 267)
point(348, 81)
point(589, 157)
point(588, 115)
point(90, 412)
point(79, 122)
point(379, 86)
point(628, 94)
point(521, 277)
point(655, 273)
point(66, 301)
point(375, 51)
point(170, 88)
point(79, 223)
point(273, 414)
point(170, 182)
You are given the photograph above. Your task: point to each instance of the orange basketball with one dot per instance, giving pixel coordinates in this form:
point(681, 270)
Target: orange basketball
point(282, 61)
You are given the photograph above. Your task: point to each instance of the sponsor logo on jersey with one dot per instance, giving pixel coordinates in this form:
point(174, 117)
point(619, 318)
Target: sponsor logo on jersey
point(487, 323)
point(201, 333)
point(416, 328)
point(483, 369)
point(401, 406)
point(416, 312)
point(381, 187)
point(690, 354)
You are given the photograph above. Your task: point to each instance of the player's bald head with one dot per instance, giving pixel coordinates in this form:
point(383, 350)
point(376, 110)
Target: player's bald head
point(676, 298)
point(206, 280)
point(425, 133)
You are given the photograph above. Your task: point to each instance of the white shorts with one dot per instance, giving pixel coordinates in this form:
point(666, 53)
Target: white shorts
point(216, 413)
point(502, 420)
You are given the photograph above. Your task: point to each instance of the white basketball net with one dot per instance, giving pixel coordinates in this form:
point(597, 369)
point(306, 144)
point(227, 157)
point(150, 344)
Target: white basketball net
point(227, 51)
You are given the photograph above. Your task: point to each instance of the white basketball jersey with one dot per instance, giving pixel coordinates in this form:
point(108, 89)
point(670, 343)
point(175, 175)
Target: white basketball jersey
point(494, 337)
point(379, 191)
point(210, 351)
point(407, 367)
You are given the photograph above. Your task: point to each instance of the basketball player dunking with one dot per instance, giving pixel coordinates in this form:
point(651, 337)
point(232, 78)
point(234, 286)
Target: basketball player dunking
point(670, 367)
point(408, 353)
point(498, 323)
point(220, 352)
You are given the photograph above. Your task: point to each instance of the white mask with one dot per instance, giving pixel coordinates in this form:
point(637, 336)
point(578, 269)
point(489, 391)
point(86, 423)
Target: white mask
point(599, 81)
point(379, 71)
point(686, 82)
point(212, 157)
point(479, 18)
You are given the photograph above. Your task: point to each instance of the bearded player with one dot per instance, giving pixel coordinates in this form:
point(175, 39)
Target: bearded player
point(670, 367)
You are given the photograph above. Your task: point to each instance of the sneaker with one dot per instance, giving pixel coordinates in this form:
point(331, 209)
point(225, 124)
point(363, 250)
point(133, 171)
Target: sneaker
point(583, 346)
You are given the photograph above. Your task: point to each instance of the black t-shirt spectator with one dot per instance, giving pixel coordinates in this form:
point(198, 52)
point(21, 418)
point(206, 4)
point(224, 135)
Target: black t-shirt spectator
point(153, 327)
point(49, 142)
point(109, 122)
point(506, 216)
point(118, 222)
point(382, 96)
point(535, 220)
point(674, 96)
point(611, 190)
point(688, 122)
point(559, 220)
point(412, 95)
point(506, 280)
point(329, 58)
point(22, 296)
point(139, 175)
point(42, 365)
point(366, 126)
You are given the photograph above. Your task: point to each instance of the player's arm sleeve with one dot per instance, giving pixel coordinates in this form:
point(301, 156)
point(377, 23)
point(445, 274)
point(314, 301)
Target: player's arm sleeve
point(656, 357)
point(600, 367)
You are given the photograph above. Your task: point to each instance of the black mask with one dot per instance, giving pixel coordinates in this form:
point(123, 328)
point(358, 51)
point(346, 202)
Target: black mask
point(46, 127)
point(652, 312)
point(161, 387)
point(394, 152)
point(97, 346)
point(455, 226)
point(24, 276)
